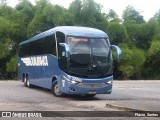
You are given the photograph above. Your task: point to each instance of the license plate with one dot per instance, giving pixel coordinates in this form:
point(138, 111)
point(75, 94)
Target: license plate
point(91, 92)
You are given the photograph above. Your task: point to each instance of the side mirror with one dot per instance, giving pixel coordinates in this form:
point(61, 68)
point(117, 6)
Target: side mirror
point(67, 50)
point(118, 50)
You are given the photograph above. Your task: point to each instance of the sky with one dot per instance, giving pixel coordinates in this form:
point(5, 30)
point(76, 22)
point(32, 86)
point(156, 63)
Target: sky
point(147, 8)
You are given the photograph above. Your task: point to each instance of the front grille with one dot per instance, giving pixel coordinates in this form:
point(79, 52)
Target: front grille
point(92, 85)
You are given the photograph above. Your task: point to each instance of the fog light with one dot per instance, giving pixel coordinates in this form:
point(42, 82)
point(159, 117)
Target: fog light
point(72, 89)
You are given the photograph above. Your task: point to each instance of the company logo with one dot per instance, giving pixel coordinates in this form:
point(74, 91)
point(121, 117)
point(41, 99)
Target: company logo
point(21, 114)
point(35, 61)
point(6, 114)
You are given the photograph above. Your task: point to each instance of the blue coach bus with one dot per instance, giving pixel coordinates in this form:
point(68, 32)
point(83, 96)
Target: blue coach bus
point(68, 60)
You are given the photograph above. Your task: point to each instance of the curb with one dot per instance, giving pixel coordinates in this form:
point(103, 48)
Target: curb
point(122, 108)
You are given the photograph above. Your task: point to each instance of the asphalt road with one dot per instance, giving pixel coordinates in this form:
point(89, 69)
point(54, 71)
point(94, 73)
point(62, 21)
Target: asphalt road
point(126, 96)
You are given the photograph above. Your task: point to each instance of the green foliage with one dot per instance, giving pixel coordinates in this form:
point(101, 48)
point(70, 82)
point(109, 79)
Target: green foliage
point(38, 23)
point(117, 33)
point(6, 11)
point(57, 15)
point(6, 31)
point(88, 13)
point(142, 34)
point(139, 40)
point(12, 64)
point(151, 67)
point(75, 10)
point(131, 14)
point(112, 16)
point(25, 12)
point(3, 2)
point(155, 47)
point(6, 28)
point(150, 29)
point(3, 50)
point(157, 16)
point(131, 62)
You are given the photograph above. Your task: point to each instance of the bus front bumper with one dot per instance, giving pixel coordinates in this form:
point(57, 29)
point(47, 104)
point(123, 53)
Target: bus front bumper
point(87, 87)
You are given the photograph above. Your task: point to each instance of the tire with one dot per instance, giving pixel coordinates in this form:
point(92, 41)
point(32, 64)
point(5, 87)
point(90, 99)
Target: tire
point(28, 83)
point(90, 95)
point(25, 81)
point(55, 90)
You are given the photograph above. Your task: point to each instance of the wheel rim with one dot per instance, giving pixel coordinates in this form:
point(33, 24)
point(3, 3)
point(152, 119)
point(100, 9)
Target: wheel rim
point(25, 79)
point(56, 89)
point(28, 83)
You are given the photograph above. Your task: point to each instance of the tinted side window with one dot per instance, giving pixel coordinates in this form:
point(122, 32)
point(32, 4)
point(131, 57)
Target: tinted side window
point(60, 37)
point(45, 45)
point(62, 61)
point(24, 50)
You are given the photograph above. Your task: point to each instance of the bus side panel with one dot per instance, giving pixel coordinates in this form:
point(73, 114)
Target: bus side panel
point(21, 69)
point(40, 75)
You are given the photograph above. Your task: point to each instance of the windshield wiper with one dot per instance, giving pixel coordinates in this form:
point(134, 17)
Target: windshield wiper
point(97, 66)
point(92, 67)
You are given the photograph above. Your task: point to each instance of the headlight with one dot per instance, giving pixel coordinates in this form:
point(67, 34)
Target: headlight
point(71, 79)
point(109, 82)
point(74, 82)
point(76, 79)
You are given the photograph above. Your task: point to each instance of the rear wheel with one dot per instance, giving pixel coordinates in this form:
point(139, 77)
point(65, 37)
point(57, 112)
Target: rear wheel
point(25, 81)
point(28, 83)
point(55, 90)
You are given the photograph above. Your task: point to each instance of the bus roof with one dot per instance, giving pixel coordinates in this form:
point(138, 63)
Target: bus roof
point(70, 31)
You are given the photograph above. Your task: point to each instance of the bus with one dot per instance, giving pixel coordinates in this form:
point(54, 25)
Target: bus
point(68, 60)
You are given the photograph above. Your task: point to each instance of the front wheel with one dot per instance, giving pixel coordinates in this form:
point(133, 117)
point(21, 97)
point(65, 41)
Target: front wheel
point(55, 90)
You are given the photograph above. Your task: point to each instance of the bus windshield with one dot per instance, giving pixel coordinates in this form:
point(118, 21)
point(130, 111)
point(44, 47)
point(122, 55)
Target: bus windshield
point(89, 56)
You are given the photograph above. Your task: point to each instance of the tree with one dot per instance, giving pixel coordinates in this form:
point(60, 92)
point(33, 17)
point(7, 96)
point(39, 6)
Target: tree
point(142, 34)
point(88, 13)
point(131, 14)
point(12, 67)
point(56, 16)
point(25, 12)
point(3, 2)
point(91, 15)
point(37, 24)
point(151, 30)
point(75, 9)
point(131, 62)
point(133, 35)
point(157, 16)
point(112, 16)
point(6, 32)
point(150, 67)
point(5, 11)
point(117, 33)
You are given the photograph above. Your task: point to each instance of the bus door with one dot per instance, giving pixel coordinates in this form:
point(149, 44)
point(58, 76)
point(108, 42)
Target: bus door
point(62, 60)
